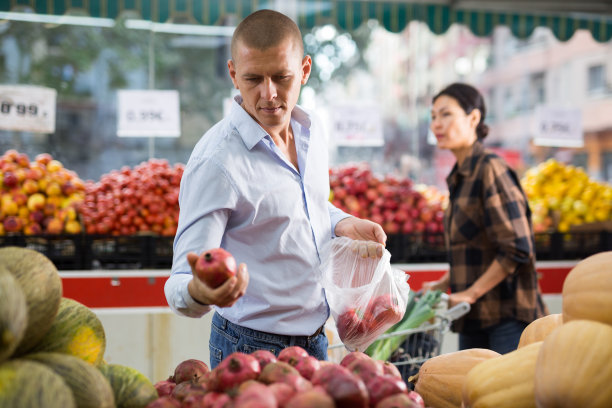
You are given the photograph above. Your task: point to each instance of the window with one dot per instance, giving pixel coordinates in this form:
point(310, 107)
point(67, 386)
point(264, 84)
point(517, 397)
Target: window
point(537, 90)
point(597, 79)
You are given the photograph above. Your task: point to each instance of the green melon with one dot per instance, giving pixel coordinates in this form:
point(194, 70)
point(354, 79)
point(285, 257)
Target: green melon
point(13, 314)
point(42, 287)
point(77, 331)
point(89, 386)
point(132, 389)
point(27, 384)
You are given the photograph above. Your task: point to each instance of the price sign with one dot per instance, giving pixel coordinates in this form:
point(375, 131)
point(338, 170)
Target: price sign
point(356, 125)
point(558, 127)
point(27, 108)
point(144, 113)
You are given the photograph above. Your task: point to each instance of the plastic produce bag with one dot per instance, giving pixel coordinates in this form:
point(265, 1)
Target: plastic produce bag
point(366, 295)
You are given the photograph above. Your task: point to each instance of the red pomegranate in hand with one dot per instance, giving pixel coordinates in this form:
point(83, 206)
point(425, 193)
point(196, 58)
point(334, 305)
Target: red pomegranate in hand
point(215, 266)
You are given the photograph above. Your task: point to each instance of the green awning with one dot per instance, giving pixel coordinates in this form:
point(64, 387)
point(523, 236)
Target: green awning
point(347, 14)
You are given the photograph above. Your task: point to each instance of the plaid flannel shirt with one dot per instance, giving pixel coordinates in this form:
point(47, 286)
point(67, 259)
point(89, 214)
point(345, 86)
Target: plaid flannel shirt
point(488, 218)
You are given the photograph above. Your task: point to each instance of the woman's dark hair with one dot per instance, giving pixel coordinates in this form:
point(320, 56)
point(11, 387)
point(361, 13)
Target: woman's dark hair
point(469, 99)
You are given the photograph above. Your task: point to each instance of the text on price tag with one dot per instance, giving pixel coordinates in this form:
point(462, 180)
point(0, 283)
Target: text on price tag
point(143, 113)
point(27, 108)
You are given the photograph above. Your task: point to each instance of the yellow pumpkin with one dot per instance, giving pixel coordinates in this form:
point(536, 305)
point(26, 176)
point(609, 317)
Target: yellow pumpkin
point(440, 379)
point(539, 329)
point(574, 366)
point(587, 290)
point(506, 381)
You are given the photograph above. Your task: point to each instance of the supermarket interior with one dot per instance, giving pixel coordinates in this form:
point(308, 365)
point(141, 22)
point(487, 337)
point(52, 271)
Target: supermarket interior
point(103, 101)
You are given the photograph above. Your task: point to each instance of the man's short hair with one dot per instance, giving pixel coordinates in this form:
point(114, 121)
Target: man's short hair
point(264, 29)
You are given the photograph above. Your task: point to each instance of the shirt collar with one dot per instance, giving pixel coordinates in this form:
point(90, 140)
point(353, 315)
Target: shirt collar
point(469, 164)
point(250, 131)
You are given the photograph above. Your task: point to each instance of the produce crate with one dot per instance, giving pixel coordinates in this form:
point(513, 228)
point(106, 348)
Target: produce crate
point(128, 252)
point(572, 245)
point(417, 248)
point(67, 252)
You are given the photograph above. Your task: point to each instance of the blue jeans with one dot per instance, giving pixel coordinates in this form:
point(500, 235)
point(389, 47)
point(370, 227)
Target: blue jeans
point(502, 337)
point(227, 337)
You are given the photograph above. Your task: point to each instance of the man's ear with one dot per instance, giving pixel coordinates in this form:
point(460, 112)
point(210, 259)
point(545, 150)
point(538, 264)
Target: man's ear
point(306, 68)
point(232, 72)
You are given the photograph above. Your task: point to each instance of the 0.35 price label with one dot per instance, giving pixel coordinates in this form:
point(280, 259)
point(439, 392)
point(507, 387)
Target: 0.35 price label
point(27, 108)
point(146, 113)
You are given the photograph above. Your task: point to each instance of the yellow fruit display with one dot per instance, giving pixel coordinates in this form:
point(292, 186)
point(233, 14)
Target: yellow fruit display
point(38, 196)
point(567, 192)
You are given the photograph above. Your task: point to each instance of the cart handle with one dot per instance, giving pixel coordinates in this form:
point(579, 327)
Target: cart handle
point(457, 311)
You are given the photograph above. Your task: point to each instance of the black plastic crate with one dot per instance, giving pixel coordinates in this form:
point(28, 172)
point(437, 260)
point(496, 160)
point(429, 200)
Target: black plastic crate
point(129, 252)
point(417, 248)
point(67, 252)
point(571, 245)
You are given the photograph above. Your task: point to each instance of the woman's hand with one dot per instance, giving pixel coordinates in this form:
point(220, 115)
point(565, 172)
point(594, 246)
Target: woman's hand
point(463, 296)
point(223, 296)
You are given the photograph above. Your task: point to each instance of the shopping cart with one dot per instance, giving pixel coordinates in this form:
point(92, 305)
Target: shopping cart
point(423, 342)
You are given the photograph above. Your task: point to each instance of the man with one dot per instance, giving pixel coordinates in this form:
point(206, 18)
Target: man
point(257, 184)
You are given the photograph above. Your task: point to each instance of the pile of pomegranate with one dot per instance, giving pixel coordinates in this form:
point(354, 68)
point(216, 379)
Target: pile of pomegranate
point(134, 200)
point(398, 205)
point(293, 379)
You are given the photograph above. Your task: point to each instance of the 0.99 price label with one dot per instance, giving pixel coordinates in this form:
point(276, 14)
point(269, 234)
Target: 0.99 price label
point(143, 113)
point(27, 108)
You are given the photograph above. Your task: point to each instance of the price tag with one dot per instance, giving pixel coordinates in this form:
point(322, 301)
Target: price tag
point(145, 113)
point(27, 108)
point(558, 127)
point(356, 125)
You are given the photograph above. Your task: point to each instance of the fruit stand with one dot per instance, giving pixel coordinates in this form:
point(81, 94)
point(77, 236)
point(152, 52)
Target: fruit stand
point(111, 244)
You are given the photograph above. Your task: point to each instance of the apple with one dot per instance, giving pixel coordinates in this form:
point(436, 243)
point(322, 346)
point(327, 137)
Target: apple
point(215, 266)
point(9, 179)
point(36, 202)
point(12, 224)
point(54, 226)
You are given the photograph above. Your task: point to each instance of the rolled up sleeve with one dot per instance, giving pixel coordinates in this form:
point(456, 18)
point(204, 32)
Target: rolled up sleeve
point(507, 217)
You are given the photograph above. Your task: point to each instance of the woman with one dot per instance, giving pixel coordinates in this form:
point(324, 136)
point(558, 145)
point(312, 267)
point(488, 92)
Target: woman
point(488, 230)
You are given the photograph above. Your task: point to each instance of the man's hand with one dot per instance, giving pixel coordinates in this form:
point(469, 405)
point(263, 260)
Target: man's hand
point(363, 230)
point(225, 295)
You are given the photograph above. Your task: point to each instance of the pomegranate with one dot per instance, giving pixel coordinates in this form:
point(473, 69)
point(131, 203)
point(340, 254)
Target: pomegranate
point(264, 357)
point(390, 368)
point(307, 366)
point(193, 401)
point(366, 369)
point(383, 386)
point(164, 402)
point(314, 398)
point(164, 387)
point(189, 370)
point(400, 400)
point(211, 397)
point(282, 392)
point(182, 390)
point(233, 370)
point(292, 354)
point(256, 395)
point(416, 398)
point(347, 389)
point(276, 372)
point(215, 266)
point(352, 356)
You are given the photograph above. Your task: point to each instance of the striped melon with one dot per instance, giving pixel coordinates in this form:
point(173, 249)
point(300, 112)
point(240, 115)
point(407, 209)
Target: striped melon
point(132, 389)
point(42, 287)
point(27, 384)
point(77, 331)
point(13, 314)
point(89, 386)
